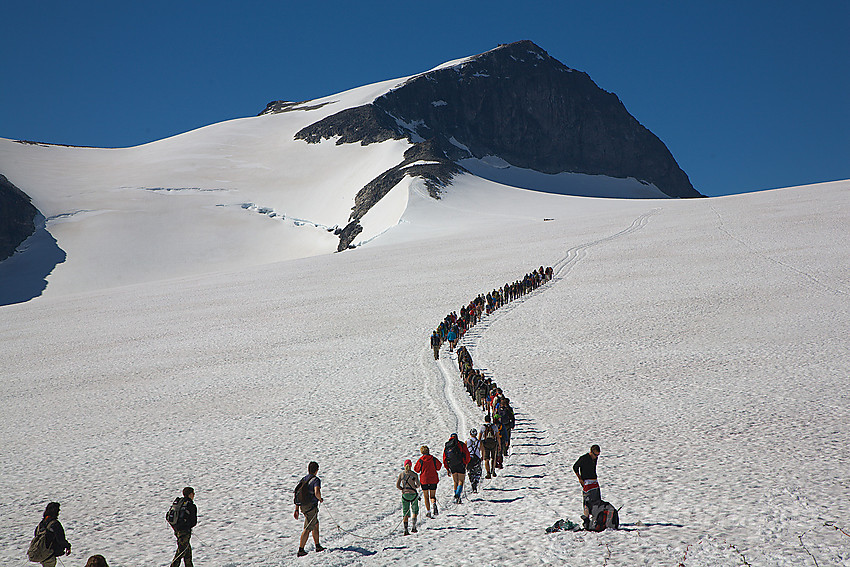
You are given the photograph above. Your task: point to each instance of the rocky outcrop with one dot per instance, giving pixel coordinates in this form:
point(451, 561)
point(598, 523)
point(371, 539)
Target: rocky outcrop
point(515, 102)
point(425, 160)
point(17, 218)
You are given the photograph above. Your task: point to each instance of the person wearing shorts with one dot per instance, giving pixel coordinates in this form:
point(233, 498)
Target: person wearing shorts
point(427, 467)
point(408, 483)
point(310, 509)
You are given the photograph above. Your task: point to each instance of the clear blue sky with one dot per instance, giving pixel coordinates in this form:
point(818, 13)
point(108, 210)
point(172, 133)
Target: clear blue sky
point(748, 95)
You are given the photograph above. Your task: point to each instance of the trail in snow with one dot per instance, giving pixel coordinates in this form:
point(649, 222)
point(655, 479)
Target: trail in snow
point(756, 252)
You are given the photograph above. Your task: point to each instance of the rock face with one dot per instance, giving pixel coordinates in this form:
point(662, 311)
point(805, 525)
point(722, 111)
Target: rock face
point(17, 216)
point(515, 102)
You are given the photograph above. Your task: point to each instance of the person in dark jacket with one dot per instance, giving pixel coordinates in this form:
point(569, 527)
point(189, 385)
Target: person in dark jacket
point(55, 537)
point(310, 509)
point(183, 530)
point(585, 469)
point(435, 345)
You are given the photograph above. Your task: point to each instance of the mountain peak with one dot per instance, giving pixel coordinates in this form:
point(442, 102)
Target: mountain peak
point(514, 104)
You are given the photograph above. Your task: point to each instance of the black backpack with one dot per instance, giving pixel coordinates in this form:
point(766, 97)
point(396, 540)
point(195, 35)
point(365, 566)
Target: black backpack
point(453, 455)
point(303, 492)
point(176, 515)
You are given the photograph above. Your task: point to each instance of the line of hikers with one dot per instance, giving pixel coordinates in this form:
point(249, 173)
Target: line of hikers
point(452, 328)
point(487, 446)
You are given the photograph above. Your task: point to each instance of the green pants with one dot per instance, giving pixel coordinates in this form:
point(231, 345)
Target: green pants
point(409, 501)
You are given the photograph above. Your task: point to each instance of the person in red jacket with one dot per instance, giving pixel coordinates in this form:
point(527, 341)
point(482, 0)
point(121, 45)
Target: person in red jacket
point(427, 467)
point(455, 458)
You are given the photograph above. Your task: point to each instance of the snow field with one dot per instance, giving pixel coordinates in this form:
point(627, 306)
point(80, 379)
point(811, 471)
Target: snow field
point(710, 333)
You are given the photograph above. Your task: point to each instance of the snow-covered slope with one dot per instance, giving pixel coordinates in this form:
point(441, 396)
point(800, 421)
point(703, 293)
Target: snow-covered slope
point(701, 343)
point(242, 193)
point(247, 192)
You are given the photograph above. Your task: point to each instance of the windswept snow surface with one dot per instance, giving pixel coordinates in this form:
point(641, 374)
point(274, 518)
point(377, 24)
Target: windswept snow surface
point(701, 343)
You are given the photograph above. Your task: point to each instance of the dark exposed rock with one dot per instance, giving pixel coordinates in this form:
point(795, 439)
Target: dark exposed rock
point(518, 103)
point(515, 102)
point(437, 172)
point(365, 124)
point(17, 216)
point(278, 106)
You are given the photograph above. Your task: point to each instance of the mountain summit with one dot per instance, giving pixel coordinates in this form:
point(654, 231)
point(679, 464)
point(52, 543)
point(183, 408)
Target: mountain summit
point(514, 105)
point(404, 158)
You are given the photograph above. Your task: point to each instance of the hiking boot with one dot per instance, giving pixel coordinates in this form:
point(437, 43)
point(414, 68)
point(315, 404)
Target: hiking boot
point(428, 514)
point(488, 476)
point(319, 547)
point(436, 513)
point(405, 531)
point(301, 552)
point(413, 529)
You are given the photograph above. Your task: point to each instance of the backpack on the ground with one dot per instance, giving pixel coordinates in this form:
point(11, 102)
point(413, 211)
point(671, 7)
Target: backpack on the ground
point(453, 456)
point(603, 515)
point(303, 493)
point(176, 515)
point(39, 550)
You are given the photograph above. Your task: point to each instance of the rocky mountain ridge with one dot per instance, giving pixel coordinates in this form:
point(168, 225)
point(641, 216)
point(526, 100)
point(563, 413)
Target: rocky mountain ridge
point(515, 102)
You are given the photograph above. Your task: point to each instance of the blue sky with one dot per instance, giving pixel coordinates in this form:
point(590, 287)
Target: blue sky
point(747, 95)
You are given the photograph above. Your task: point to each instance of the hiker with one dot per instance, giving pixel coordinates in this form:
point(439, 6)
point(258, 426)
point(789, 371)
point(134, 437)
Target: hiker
point(455, 459)
point(452, 337)
point(585, 469)
point(96, 561)
point(54, 543)
point(427, 467)
point(408, 483)
point(507, 423)
point(435, 345)
point(308, 494)
point(185, 518)
point(473, 469)
point(490, 445)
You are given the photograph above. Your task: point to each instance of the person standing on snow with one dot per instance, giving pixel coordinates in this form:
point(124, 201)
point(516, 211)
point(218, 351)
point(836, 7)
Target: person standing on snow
point(585, 469)
point(183, 529)
point(473, 469)
point(455, 459)
point(308, 503)
point(491, 444)
point(435, 345)
point(408, 483)
point(54, 535)
point(427, 467)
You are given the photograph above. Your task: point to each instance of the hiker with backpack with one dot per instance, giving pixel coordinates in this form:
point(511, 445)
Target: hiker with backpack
point(490, 446)
point(182, 517)
point(507, 421)
point(473, 469)
point(435, 345)
point(427, 467)
point(49, 541)
point(308, 494)
point(585, 469)
point(408, 483)
point(455, 459)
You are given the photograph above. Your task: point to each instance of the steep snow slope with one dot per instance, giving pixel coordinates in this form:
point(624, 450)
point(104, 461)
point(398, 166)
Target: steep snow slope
point(702, 344)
